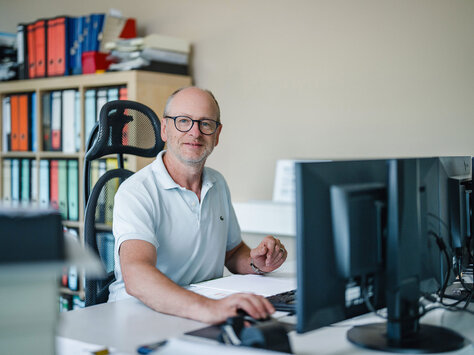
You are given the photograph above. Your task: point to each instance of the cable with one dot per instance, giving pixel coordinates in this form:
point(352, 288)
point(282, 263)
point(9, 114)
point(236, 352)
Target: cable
point(464, 284)
point(439, 220)
point(367, 302)
point(445, 225)
point(423, 310)
point(454, 304)
point(442, 248)
point(451, 306)
point(371, 307)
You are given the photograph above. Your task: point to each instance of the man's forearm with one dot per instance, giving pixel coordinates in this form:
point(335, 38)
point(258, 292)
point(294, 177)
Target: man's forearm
point(153, 288)
point(238, 260)
point(163, 295)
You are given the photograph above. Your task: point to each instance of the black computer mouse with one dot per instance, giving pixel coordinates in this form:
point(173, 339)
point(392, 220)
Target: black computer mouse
point(246, 316)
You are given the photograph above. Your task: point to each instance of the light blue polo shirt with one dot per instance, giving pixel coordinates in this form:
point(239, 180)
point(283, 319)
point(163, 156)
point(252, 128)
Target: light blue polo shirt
point(191, 237)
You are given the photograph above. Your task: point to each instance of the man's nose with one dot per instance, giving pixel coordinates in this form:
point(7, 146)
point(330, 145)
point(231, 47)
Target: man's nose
point(194, 131)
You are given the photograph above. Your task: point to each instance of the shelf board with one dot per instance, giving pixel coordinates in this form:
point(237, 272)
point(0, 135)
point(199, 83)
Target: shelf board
point(91, 81)
point(59, 155)
point(72, 224)
point(42, 155)
point(19, 154)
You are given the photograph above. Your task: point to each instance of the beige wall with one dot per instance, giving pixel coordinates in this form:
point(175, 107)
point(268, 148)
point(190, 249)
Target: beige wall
point(314, 79)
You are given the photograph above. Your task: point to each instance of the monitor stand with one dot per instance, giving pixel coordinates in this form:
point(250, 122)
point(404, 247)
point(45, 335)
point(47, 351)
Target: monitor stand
point(429, 339)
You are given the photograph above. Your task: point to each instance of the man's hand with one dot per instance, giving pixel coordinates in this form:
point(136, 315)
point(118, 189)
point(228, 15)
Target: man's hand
point(217, 311)
point(269, 255)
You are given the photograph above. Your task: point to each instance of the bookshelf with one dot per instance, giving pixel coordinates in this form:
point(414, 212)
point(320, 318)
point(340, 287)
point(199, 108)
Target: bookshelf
point(149, 88)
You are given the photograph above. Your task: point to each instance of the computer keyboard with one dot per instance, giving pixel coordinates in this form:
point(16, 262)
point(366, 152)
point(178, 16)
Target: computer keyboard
point(285, 301)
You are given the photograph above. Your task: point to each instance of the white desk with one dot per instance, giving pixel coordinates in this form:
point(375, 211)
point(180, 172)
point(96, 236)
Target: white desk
point(125, 325)
point(332, 340)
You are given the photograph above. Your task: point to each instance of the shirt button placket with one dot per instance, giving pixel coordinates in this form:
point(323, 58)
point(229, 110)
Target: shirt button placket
point(194, 208)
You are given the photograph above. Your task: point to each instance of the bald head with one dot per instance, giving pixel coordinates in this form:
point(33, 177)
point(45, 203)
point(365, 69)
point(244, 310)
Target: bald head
point(192, 96)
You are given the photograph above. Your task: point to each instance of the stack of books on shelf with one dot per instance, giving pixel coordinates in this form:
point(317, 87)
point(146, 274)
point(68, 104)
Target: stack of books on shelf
point(61, 118)
point(67, 45)
point(95, 99)
point(18, 118)
point(61, 125)
point(52, 181)
point(154, 52)
point(54, 46)
point(61, 122)
point(55, 183)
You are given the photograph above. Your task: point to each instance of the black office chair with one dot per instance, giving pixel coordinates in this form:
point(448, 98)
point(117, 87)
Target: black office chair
point(124, 127)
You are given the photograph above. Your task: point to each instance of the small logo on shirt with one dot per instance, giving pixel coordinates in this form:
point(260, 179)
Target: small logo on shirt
point(221, 218)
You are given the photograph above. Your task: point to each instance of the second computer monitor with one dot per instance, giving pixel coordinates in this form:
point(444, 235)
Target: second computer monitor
point(369, 235)
point(327, 293)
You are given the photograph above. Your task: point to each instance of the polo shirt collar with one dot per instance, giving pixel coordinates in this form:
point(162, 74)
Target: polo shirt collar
point(166, 181)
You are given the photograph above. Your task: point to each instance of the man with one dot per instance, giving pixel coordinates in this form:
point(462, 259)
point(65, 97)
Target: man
point(174, 223)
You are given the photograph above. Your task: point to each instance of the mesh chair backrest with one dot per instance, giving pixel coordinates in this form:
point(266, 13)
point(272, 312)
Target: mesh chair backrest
point(126, 127)
point(98, 218)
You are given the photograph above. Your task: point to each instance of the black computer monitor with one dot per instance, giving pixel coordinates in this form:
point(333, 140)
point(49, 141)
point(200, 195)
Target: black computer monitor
point(326, 295)
point(368, 235)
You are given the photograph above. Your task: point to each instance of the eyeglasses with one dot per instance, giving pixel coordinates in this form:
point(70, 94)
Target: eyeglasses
point(185, 123)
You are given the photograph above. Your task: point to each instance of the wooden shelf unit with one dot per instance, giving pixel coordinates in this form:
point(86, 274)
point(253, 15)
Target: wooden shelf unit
point(149, 88)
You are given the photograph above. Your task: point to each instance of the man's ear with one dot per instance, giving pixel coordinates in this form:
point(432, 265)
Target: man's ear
point(163, 130)
point(218, 132)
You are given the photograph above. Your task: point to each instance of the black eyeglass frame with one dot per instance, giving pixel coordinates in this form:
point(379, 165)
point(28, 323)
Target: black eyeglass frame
point(199, 122)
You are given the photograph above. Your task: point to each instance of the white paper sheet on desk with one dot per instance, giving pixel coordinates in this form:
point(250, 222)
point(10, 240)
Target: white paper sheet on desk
point(261, 285)
point(210, 292)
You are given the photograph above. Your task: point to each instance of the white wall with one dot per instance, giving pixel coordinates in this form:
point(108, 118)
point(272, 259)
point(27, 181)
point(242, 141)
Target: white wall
point(314, 79)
